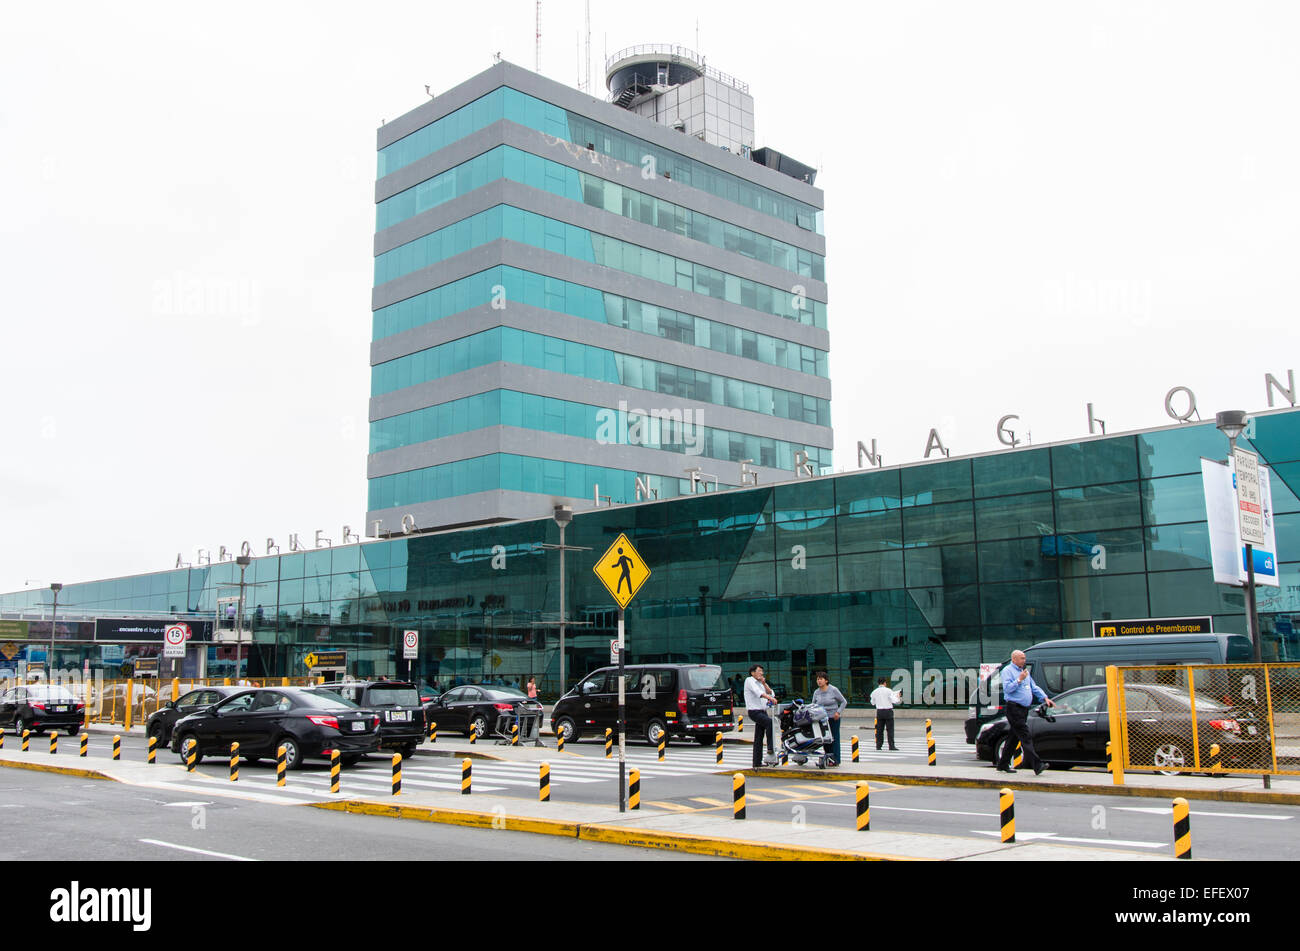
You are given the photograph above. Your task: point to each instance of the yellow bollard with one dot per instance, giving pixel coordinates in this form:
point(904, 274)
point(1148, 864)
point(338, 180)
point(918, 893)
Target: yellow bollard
point(929, 743)
point(54, 742)
point(26, 737)
point(738, 796)
point(176, 689)
point(1182, 829)
point(335, 769)
point(634, 790)
point(2, 739)
point(663, 743)
point(117, 746)
point(853, 747)
point(281, 766)
point(85, 743)
point(465, 766)
point(433, 731)
point(397, 774)
point(559, 741)
point(514, 733)
point(234, 762)
point(609, 743)
point(473, 734)
point(153, 750)
point(1018, 757)
point(544, 782)
point(864, 807)
point(1216, 758)
point(1007, 808)
point(717, 739)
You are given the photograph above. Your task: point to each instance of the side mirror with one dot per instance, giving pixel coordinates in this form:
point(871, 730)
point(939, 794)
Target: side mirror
point(213, 711)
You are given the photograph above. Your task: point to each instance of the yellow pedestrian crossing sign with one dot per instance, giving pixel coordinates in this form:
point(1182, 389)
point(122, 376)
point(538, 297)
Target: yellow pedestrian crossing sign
point(310, 661)
point(622, 571)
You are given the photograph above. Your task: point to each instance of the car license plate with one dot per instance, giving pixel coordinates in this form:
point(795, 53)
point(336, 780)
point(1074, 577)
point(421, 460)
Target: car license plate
point(1250, 730)
point(60, 709)
point(712, 711)
point(395, 716)
point(358, 726)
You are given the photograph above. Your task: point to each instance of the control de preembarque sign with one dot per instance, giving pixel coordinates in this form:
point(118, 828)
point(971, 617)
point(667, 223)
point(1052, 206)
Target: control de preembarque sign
point(1153, 625)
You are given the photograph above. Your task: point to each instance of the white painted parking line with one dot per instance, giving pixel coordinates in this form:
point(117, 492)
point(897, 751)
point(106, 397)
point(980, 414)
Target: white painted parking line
point(937, 812)
point(186, 848)
point(1166, 810)
point(1051, 837)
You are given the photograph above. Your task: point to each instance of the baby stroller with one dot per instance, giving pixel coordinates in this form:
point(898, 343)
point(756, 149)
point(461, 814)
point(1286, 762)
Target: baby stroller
point(804, 733)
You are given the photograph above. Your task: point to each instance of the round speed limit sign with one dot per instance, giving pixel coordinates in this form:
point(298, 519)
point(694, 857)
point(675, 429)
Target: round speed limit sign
point(410, 645)
point(174, 638)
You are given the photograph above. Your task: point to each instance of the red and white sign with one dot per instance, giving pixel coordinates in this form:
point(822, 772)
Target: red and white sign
point(174, 638)
point(410, 645)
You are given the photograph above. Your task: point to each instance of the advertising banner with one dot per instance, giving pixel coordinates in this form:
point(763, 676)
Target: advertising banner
point(1227, 551)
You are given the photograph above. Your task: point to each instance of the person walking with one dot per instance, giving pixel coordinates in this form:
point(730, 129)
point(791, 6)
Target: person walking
point(1018, 694)
point(832, 701)
point(883, 699)
point(532, 687)
point(757, 696)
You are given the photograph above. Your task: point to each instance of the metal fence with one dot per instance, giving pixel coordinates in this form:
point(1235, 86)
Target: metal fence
point(1229, 718)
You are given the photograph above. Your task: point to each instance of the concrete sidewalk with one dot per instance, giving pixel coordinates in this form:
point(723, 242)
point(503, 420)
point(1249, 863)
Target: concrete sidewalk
point(710, 834)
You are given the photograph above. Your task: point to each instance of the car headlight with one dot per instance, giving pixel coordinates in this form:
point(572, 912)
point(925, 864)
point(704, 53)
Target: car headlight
point(985, 728)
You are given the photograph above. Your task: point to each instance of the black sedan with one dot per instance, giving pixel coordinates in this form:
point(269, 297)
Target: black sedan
point(160, 723)
point(41, 707)
point(1075, 731)
point(260, 720)
point(489, 710)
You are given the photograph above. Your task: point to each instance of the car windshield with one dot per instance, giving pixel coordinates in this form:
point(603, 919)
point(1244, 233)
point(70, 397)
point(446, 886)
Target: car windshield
point(50, 692)
point(502, 693)
point(394, 696)
point(1179, 694)
point(707, 677)
point(324, 701)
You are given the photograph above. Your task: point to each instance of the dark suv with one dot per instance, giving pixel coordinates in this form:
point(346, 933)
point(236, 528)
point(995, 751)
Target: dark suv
point(401, 715)
point(41, 707)
point(663, 700)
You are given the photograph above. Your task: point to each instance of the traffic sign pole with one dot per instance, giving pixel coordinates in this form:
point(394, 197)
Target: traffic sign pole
point(622, 721)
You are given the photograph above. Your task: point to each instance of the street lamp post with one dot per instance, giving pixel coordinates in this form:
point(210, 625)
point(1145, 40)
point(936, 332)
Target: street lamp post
point(54, 622)
point(563, 516)
point(1232, 423)
point(704, 610)
point(243, 561)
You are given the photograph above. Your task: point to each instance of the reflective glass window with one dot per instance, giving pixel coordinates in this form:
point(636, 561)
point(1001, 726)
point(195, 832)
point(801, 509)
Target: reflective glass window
point(1014, 516)
point(1088, 463)
point(1013, 472)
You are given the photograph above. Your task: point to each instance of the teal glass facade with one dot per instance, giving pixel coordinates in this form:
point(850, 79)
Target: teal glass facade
point(945, 564)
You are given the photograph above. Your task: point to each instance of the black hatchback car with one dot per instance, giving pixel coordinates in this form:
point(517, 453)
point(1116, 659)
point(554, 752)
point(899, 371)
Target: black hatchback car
point(490, 710)
point(1075, 731)
point(401, 714)
point(41, 707)
point(160, 723)
point(260, 720)
point(662, 701)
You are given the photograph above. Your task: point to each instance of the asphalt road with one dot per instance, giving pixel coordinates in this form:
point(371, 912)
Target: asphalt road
point(49, 817)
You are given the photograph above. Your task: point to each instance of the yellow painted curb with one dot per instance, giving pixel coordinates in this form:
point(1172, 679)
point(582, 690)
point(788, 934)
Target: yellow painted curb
point(1151, 792)
point(63, 770)
point(454, 817)
point(729, 848)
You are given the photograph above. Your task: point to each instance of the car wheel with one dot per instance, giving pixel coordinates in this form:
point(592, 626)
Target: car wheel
point(479, 724)
point(158, 731)
point(1001, 747)
point(655, 731)
point(1169, 757)
point(292, 752)
point(185, 741)
point(566, 728)
point(19, 725)
point(72, 730)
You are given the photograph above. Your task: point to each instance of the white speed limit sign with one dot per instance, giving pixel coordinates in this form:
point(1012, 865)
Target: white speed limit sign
point(410, 645)
point(174, 640)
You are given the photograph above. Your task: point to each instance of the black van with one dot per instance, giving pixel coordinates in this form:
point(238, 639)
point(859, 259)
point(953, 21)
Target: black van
point(401, 715)
point(1062, 665)
point(663, 700)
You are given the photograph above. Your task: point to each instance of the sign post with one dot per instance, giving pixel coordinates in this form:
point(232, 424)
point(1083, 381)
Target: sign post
point(622, 571)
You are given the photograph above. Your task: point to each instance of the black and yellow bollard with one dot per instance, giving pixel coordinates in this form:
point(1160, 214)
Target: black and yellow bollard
point(433, 732)
point(464, 776)
point(738, 796)
point(1110, 759)
point(634, 790)
point(740, 724)
point(559, 740)
point(717, 739)
point(191, 750)
point(853, 747)
point(397, 774)
point(1007, 809)
point(1216, 758)
point(54, 742)
point(85, 743)
point(609, 743)
point(473, 734)
point(929, 743)
point(1019, 756)
point(281, 766)
point(1182, 829)
point(117, 746)
point(544, 782)
point(152, 754)
point(336, 768)
point(514, 733)
point(2, 739)
point(26, 738)
point(663, 742)
point(864, 807)
point(234, 762)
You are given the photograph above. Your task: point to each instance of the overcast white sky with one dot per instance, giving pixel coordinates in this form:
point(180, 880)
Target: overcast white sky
point(1030, 206)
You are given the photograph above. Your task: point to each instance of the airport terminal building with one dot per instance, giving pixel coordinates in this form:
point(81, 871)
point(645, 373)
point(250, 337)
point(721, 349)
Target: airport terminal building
point(946, 563)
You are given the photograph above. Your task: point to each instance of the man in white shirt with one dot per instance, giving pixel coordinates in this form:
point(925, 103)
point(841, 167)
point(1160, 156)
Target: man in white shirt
point(757, 696)
point(883, 699)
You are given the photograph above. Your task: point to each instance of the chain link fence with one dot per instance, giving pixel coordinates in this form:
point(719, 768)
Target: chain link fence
point(1230, 718)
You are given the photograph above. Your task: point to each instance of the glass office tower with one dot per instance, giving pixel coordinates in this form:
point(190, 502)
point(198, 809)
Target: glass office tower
point(947, 564)
point(574, 303)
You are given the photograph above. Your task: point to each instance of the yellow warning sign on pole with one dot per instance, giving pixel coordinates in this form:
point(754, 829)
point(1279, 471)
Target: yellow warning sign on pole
point(622, 571)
